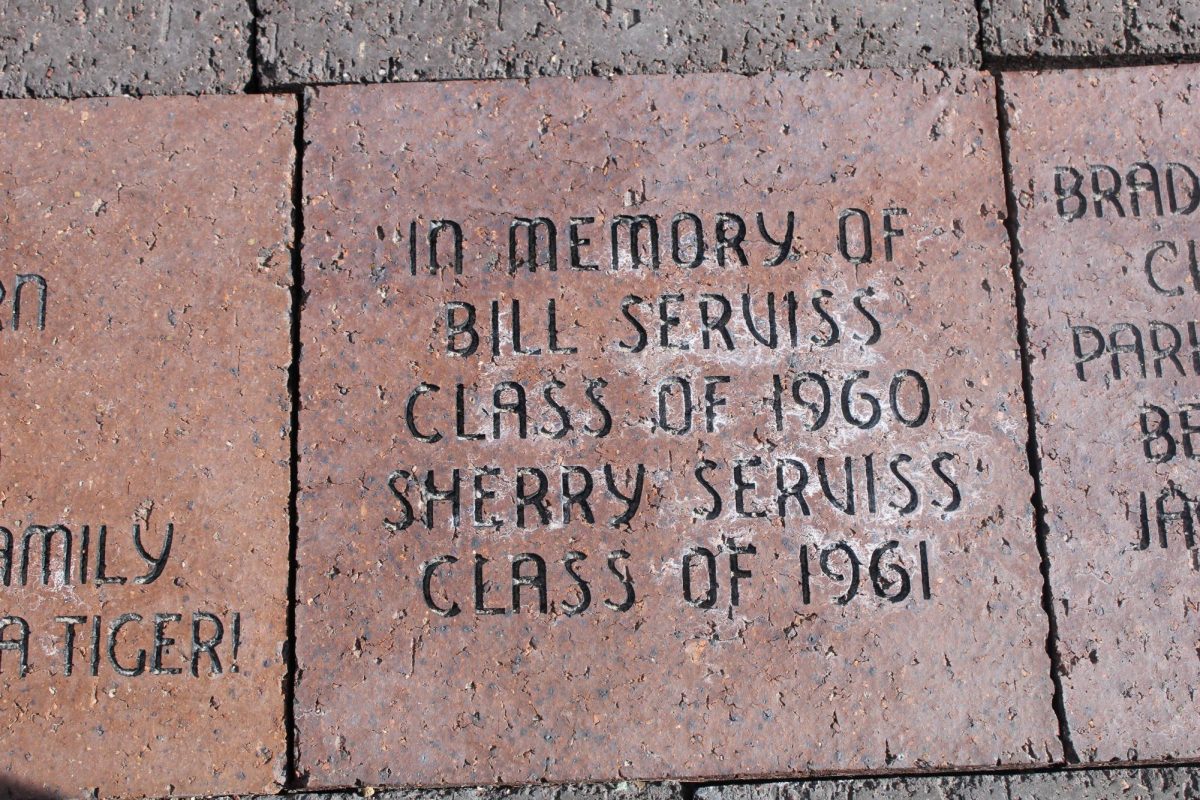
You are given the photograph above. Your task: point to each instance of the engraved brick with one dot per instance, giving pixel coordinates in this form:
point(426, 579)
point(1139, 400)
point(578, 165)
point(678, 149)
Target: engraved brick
point(144, 424)
point(61, 49)
point(1106, 212)
point(374, 41)
point(1072, 28)
point(933, 656)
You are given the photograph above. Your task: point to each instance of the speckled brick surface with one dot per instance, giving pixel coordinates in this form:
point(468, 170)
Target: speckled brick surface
point(60, 49)
point(332, 41)
point(1090, 28)
point(1107, 210)
point(144, 348)
point(893, 618)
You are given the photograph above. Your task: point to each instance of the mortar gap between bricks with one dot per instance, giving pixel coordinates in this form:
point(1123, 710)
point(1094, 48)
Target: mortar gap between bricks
point(1033, 455)
point(292, 778)
point(998, 63)
point(255, 84)
point(980, 17)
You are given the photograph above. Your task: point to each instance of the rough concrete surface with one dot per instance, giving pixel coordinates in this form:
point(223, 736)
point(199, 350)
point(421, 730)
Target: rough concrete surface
point(144, 317)
point(849, 649)
point(1157, 783)
point(1171, 783)
point(336, 41)
point(1078, 28)
point(776, 790)
point(973, 787)
point(624, 790)
point(82, 49)
point(613, 791)
point(1149, 783)
point(1106, 210)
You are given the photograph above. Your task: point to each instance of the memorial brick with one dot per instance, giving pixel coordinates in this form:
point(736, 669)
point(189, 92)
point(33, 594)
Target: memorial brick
point(662, 428)
point(57, 49)
point(144, 439)
point(329, 41)
point(1108, 260)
